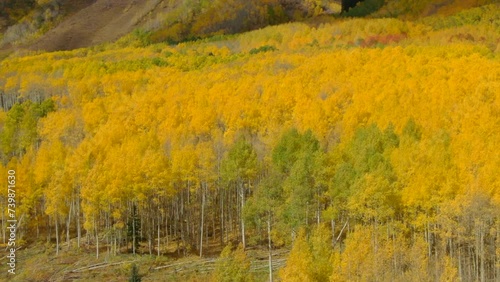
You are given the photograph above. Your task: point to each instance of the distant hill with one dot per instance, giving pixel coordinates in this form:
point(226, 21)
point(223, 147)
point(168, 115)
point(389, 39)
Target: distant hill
point(52, 25)
point(101, 21)
point(66, 25)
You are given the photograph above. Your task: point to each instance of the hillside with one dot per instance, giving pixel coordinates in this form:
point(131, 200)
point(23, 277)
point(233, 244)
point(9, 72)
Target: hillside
point(65, 25)
point(334, 148)
point(87, 23)
point(52, 25)
point(102, 21)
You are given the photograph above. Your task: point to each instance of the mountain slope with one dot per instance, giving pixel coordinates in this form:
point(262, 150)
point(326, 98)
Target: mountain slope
point(82, 23)
point(74, 24)
point(103, 21)
point(376, 136)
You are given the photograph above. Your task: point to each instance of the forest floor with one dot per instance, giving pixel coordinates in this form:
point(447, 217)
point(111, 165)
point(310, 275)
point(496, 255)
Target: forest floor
point(40, 263)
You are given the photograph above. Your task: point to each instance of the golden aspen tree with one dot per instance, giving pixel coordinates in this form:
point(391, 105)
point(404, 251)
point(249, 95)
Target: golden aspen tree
point(401, 160)
point(320, 242)
point(49, 174)
point(300, 261)
point(233, 265)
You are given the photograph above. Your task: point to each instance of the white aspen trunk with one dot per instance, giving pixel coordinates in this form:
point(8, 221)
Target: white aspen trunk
point(166, 230)
point(481, 244)
point(108, 239)
point(69, 223)
point(342, 230)
point(78, 227)
point(188, 219)
point(180, 218)
point(269, 248)
point(221, 217)
point(332, 223)
point(150, 237)
point(203, 187)
point(133, 234)
point(497, 257)
point(114, 241)
point(37, 226)
point(460, 263)
point(159, 221)
point(428, 239)
point(241, 216)
point(4, 228)
point(318, 209)
point(96, 240)
point(230, 211)
point(57, 237)
point(477, 251)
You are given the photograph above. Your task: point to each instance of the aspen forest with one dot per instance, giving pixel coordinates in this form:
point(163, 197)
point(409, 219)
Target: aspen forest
point(248, 141)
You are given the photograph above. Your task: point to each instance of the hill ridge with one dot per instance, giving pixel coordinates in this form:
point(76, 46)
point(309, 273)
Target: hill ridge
point(102, 21)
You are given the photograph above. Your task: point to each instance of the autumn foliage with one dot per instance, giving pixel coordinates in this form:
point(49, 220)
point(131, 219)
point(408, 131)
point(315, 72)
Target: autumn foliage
point(367, 146)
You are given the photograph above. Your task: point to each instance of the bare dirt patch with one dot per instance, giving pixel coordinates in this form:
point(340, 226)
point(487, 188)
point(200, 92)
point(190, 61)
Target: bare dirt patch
point(100, 22)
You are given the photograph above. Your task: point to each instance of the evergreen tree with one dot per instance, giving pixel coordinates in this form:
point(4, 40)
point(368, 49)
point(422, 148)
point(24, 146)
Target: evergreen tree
point(348, 4)
point(135, 277)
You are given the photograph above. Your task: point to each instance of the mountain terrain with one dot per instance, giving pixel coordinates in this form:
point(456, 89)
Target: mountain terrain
point(235, 140)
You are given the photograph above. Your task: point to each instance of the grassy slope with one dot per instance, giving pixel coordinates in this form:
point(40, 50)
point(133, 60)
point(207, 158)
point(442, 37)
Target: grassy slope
point(39, 263)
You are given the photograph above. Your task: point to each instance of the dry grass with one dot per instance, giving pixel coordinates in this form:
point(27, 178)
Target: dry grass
point(40, 263)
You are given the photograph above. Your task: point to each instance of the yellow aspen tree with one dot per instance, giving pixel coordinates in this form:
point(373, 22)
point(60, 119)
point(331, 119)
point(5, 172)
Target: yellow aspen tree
point(300, 261)
point(233, 265)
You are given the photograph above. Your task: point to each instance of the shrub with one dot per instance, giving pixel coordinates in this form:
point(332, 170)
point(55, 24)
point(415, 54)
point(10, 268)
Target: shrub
point(261, 49)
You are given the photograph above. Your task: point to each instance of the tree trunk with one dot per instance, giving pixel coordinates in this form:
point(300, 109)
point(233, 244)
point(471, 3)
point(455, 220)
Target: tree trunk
point(115, 235)
point(68, 224)
point(4, 228)
point(133, 234)
point(183, 231)
point(221, 197)
point(159, 221)
point(269, 248)
point(78, 226)
point(150, 237)
point(481, 250)
point(188, 218)
point(167, 229)
point(460, 263)
point(96, 240)
point(497, 252)
point(57, 236)
point(332, 223)
point(242, 191)
point(203, 187)
point(318, 208)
